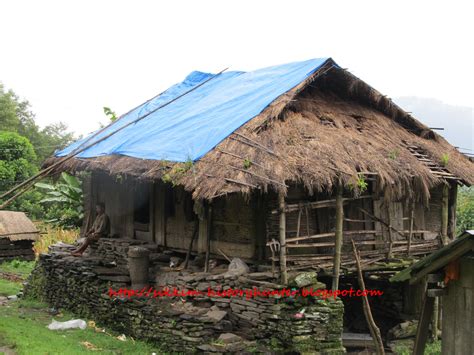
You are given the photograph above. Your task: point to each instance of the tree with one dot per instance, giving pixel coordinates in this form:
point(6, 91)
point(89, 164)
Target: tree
point(17, 158)
point(16, 116)
point(8, 115)
point(465, 209)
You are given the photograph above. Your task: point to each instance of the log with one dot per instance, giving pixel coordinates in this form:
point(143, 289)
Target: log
point(374, 330)
point(208, 236)
point(320, 204)
point(445, 214)
point(339, 235)
point(412, 217)
point(283, 271)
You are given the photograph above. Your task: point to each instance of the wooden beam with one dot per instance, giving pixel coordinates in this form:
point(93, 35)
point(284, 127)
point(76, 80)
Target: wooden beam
point(412, 218)
point(444, 214)
point(208, 235)
point(423, 325)
point(320, 204)
point(390, 234)
point(374, 330)
point(452, 203)
point(283, 271)
point(339, 236)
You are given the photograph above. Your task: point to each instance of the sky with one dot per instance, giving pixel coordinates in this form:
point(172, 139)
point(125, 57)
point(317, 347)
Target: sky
point(72, 58)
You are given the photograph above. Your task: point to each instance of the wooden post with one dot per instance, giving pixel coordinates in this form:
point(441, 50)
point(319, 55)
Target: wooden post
point(374, 330)
point(410, 233)
point(390, 234)
point(423, 325)
point(444, 215)
point(452, 202)
point(283, 272)
point(338, 243)
point(208, 236)
point(434, 321)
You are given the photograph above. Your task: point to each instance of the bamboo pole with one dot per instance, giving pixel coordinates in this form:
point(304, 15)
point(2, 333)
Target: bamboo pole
point(390, 234)
point(412, 215)
point(283, 270)
point(208, 236)
point(298, 225)
point(339, 235)
point(374, 330)
point(190, 248)
point(444, 214)
point(321, 204)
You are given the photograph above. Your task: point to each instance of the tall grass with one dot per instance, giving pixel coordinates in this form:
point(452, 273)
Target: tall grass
point(51, 235)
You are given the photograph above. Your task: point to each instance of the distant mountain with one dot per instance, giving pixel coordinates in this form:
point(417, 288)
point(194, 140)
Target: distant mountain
point(457, 121)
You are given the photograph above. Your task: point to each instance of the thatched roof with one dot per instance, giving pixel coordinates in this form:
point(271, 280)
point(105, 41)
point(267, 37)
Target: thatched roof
point(330, 128)
point(17, 226)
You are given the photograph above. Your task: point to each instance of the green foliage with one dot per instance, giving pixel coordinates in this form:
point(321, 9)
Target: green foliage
point(16, 159)
point(16, 116)
point(247, 163)
point(64, 199)
point(361, 184)
point(177, 172)
point(110, 114)
point(445, 159)
point(393, 154)
point(465, 209)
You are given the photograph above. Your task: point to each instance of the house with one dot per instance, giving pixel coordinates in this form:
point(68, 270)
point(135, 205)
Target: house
point(281, 167)
point(453, 267)
point(240, 140)
point(17, 235)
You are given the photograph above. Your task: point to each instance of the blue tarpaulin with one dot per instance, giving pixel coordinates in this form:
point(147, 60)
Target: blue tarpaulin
point(194, 124)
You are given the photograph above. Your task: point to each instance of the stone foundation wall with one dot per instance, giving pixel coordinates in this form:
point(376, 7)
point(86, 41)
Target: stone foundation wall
point(82, 285)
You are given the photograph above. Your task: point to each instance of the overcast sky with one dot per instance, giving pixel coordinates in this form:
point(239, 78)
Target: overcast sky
point(71, 58)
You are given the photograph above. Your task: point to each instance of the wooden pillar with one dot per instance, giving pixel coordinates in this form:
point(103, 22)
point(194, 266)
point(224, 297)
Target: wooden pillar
point(452, 202)
point(434, 321)
point(423, 325)
point(390, 232)
point(208, 236)
point(260, 213)
point(282, 206)
point(338, 242)
point(159, 214)
point(412, 219)
point(201, 211)
point(444, 214)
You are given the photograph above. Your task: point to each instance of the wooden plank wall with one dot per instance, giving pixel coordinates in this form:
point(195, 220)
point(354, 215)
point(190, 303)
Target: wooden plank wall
point(233, 227)
point(178, 217)
point(458, 312)
point(117, 196)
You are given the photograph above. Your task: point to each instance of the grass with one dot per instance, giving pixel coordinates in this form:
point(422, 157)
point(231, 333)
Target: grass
point(8, 288)
point(23, 329)
point(433, 348)
point(18, 267)
point(12, 274)
point(23, 325)
point(51, 235)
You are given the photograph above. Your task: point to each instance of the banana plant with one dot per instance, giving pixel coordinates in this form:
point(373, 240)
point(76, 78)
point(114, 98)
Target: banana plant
point(64, 199)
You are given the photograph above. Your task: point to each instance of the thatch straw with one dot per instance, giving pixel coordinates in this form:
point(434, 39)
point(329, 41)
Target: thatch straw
point(328, 129)
point(17, 226)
